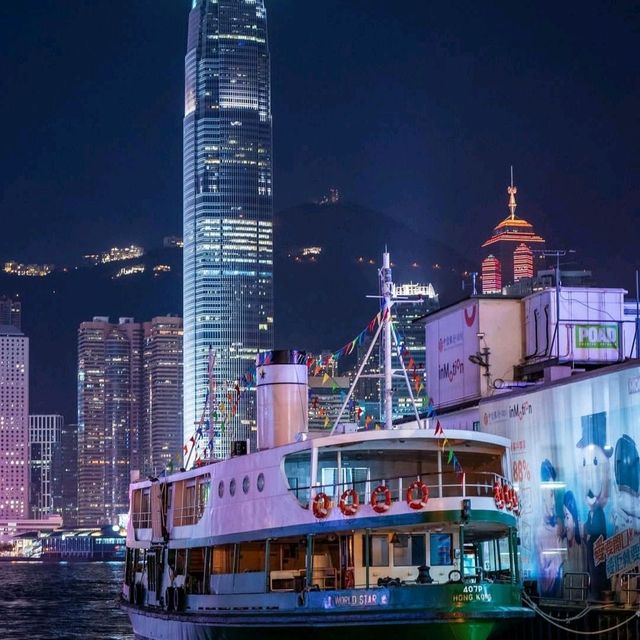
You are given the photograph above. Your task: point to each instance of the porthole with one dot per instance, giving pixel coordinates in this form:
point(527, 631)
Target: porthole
point(220, 488)
point(245, 484)
point(232, 487)
point(260, 481)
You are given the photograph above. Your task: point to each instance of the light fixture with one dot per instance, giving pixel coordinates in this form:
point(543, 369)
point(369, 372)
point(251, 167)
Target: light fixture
point(395, 538)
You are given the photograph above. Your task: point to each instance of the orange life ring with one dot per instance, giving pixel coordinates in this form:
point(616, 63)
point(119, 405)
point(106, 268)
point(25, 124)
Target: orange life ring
point(321, 505)
point(419, 501)
point(380, 506)
point(515, 503)
point(508, 496)
point(498, 495)
point(349, 502)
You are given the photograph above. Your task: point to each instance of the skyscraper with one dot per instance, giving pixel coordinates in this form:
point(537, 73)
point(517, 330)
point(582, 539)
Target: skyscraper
point(14, 423)
point(161, 429)
point(228, 211)
point(109, 400)
point(10, 312)
point(44, 439)
point(64, 475)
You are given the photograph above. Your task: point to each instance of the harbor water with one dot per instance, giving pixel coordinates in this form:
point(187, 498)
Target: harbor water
point(66, 601)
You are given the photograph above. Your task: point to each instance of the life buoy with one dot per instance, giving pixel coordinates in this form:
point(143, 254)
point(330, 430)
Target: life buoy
point(380, 506)
point(321, 505)
point(498, 495)
point(515, 503)
point(420, 500)
point(349, 502)
point(508, 497)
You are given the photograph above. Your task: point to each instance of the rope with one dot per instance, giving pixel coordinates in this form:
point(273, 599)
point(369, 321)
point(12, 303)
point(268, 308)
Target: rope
point(555, 621)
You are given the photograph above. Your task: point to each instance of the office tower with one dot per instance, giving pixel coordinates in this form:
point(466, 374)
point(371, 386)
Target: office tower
point(14, 423)
point(64, 475)
point(10, 312)
point(44, 437)
point(228, 217)
point(109, 402)
point(511, 243)
point(419, 299)
point(161, 430)
point(491, 275)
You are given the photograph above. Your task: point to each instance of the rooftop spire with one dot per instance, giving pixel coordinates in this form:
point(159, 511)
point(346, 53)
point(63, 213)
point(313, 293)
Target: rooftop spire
point(512, 197)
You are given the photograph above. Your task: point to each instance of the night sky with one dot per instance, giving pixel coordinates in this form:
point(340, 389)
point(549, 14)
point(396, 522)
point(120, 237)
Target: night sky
point(412, 108)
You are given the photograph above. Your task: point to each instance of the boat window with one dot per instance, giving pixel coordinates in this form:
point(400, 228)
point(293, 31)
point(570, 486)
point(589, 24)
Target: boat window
point(297, 469)
point(222, 559)
point(221, 489)
point(378, 551)
point(245, 484)
point(232, 487)
point(409, 551)
point(440, 549)
point(260, 481)
point(251, 557)
point(190, 499)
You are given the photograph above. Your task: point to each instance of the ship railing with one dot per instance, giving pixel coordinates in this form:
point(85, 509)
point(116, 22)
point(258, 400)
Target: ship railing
point(141, 519)
point(575, 586)
point(630, 588)
point(188, 514)
point(440, 485)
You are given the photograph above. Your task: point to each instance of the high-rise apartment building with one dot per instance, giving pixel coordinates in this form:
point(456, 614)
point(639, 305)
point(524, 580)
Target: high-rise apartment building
point(228, 211)
point(14, 423)
point(109, 399)
point(161, 429)
point(64, 475)
point(129, 408)
point(10, 312)
point(44, 438)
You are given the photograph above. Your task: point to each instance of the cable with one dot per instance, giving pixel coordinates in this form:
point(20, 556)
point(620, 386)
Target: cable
point(553, 621)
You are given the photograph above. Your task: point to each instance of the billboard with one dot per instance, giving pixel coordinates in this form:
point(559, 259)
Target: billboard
point(576, 466)
point(451, 338)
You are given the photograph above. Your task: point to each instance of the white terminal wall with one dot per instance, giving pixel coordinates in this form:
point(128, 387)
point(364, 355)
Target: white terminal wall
point(453, 334)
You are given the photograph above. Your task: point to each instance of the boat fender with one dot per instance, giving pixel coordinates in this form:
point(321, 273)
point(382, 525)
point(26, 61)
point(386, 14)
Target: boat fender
point(169, 598)
point(321, 505)
point(417, 495)
point(380, 506)
point(349, 502)
point(179, 598)
point(498, 495)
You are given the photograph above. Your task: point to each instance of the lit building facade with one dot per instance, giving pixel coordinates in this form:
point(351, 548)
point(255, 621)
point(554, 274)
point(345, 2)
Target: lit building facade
point(228, 211)
point(14, 423)
point(491, 275)
point(512, 242)
point(161, 428)
point(44, 438)
point(109, 405)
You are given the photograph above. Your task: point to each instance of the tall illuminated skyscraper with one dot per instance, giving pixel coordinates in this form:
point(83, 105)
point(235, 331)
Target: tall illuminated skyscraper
point(228, 211)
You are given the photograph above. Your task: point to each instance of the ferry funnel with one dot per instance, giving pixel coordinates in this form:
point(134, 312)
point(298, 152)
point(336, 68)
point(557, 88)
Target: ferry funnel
point(282, 397)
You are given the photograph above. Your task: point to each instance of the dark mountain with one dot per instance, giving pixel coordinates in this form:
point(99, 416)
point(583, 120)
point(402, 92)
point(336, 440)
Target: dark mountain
point(320, 300)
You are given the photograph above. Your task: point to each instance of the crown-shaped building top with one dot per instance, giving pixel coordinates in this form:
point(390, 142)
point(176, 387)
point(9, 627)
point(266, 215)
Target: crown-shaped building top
point(511, 246)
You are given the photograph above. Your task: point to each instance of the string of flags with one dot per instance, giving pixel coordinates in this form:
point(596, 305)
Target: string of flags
point(226, 408)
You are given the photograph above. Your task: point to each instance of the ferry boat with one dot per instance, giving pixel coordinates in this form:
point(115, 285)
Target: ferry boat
point(353, 532)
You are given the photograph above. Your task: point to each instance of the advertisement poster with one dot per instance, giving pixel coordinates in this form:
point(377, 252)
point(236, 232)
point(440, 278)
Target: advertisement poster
point(575, 462)
point(451, 338)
